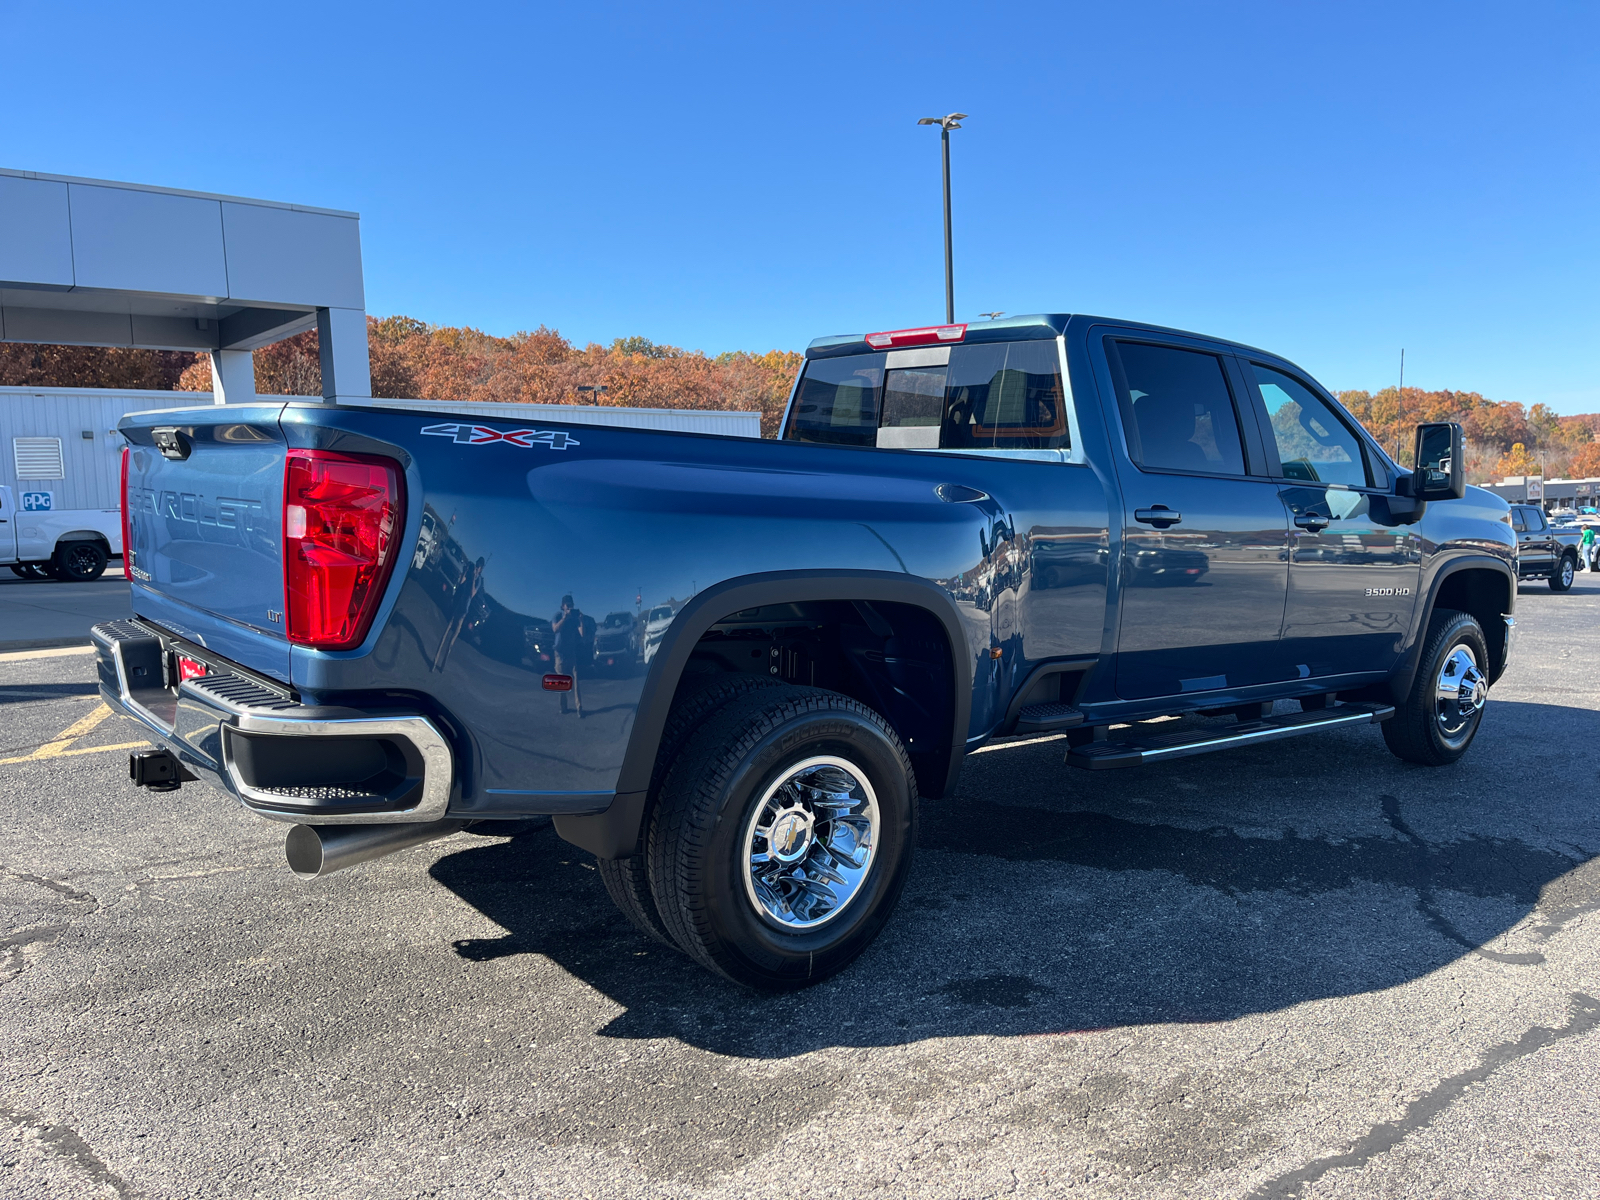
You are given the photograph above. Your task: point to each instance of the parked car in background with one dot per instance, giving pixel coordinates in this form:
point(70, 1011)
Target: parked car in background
point(39, 543)
point(656, 623)
point(1544, 550)
point(617, 642)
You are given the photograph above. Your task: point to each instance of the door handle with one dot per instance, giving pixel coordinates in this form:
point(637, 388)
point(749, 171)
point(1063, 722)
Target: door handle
point(1160, 516)
point(1315, 522)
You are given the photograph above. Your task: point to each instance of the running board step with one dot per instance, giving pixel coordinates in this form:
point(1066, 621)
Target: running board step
point(1042, 718)
point(1158, 747)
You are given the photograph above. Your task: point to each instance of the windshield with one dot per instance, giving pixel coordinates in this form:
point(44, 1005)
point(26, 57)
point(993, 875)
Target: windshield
point(989, 396)
point(660, 614)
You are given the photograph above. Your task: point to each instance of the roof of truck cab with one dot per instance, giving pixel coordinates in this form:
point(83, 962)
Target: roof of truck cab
point(1022, 328)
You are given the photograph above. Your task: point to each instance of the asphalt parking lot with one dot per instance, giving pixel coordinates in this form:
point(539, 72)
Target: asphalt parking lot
point(1304, 969)
point(37, 613)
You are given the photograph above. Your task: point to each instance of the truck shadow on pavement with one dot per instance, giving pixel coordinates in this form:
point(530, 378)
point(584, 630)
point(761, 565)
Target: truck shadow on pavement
point(1026, 920)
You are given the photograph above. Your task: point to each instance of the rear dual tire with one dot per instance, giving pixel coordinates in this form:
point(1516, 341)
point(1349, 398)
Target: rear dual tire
point(779, 835)
point(783, 837)
point(626, 880)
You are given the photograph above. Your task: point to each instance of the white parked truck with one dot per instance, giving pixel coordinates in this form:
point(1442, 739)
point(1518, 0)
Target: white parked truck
point(59, 488)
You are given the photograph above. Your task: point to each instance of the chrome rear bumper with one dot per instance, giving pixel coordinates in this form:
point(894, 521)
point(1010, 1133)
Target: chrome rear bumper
point(283, 760)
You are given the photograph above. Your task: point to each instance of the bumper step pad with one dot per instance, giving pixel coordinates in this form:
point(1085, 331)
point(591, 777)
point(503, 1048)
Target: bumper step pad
point(1158, 747)
point(1042, 718)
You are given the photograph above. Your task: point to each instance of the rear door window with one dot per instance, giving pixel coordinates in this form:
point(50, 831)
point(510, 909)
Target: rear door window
point(1314, 443)
point(1177, 409)
point(987, 396)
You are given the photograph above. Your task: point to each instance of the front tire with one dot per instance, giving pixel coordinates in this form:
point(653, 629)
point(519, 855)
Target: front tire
point(783, 837)
point(1566, 571)
point(1436, 723)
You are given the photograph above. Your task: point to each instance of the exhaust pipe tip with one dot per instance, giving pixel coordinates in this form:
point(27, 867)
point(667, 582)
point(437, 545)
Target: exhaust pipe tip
point(314, 851)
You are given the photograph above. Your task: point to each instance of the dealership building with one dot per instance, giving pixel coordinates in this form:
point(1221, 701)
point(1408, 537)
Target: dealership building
point(1550, 494)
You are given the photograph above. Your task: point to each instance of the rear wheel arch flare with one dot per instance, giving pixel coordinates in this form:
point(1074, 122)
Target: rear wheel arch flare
point(722, 601)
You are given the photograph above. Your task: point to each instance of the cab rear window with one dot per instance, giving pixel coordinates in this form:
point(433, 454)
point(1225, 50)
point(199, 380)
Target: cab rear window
point(989, 396)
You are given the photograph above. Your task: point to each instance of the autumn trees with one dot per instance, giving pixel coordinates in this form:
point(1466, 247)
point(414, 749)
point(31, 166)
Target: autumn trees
point(412, 359)
point(1503, 438)
point(26, 365)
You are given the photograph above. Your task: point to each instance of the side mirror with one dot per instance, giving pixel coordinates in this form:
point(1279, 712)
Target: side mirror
point(1440, 471)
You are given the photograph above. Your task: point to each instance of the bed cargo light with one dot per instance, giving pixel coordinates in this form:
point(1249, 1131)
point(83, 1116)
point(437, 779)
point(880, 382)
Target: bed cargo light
point(342, 515)
point(930, 335)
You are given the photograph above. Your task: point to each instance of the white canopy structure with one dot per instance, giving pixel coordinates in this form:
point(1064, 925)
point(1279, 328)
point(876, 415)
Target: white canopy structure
point(91, 263)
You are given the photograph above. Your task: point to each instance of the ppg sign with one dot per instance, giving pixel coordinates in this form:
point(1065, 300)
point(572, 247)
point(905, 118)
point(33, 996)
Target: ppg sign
point(38, 501)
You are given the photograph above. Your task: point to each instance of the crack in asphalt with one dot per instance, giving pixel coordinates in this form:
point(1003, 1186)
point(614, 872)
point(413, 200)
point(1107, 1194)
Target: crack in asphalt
point(1426, 904)
point(66, 1142)
point(12, 958)
point(56, 886)
point(1584, 1017)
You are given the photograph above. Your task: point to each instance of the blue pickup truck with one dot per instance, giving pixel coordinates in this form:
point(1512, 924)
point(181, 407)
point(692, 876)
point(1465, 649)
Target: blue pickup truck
point(730, 668)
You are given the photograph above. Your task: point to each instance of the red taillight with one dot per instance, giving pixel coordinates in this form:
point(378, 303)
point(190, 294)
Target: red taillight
point(127, 525)
point(342, 517)
point(558, 683)
point(930, 335)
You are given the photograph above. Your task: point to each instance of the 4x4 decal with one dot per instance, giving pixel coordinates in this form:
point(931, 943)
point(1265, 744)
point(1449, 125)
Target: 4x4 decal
point(481, 435)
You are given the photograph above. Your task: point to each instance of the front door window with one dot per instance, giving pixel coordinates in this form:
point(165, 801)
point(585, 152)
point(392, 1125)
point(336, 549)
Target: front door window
point(1314, 445)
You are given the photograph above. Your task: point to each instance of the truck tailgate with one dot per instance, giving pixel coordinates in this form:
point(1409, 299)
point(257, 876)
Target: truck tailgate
point(205, 512)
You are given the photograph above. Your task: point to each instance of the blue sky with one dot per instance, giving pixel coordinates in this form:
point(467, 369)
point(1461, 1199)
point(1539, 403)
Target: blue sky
point(1332, 182)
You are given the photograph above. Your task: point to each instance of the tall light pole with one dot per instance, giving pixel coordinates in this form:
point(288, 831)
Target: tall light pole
point(946, 124)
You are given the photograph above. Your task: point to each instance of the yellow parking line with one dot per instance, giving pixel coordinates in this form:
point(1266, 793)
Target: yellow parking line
point(72, 732)
point(99, 749)
point(56, 747)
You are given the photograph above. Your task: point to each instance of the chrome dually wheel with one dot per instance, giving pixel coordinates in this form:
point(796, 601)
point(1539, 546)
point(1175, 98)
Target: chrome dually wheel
point(810, 842)
point(1460, 693)
point(783, 836)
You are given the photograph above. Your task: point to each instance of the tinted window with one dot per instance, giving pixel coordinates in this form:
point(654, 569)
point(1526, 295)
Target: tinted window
point(1516, 520)
point(992, 396)
point(1006, 396)
point(1534, 519)
point(838, 401)
point(913, 406)
point(1177, 409)
point(1314, 444)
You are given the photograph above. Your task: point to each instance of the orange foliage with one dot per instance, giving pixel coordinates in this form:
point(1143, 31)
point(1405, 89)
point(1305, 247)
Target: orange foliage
point(287, 368)
point(1491, 427)
point(413, 360)
point(1586, 462)
point(1517, 461)
point(24, 365)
